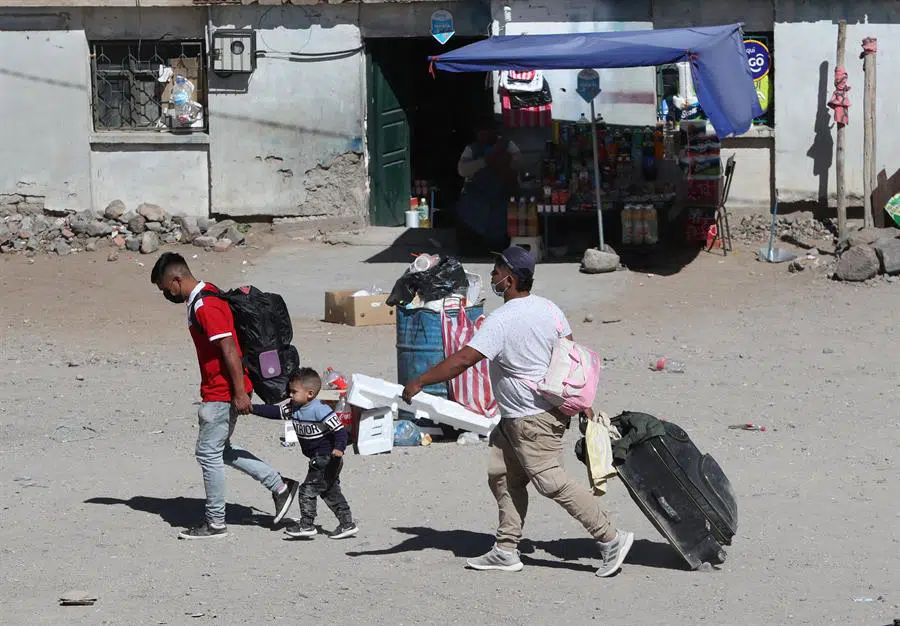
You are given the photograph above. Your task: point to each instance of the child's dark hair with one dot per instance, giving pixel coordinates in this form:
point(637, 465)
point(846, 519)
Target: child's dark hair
point(308, 377)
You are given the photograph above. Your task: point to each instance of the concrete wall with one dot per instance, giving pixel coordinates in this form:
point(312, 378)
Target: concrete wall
point(804, 140)
point(291, 139)
point(293, 115)
point(288, 140)
point(45, 112)
point(49, 148)
point(171, 177)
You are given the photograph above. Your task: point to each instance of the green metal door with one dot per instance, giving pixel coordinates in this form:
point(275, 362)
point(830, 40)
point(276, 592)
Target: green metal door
point(389, 140)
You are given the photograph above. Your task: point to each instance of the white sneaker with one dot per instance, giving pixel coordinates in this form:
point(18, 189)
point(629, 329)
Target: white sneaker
point(614, 553)
point(497, 559)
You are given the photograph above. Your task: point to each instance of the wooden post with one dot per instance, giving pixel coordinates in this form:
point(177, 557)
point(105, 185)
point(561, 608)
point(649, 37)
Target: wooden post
point(869, 148)
point(839, 144)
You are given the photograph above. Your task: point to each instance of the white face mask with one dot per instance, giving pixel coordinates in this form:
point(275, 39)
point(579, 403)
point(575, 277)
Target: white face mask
point(495, 287)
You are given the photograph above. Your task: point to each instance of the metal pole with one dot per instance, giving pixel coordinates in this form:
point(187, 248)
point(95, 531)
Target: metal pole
point(597, 178)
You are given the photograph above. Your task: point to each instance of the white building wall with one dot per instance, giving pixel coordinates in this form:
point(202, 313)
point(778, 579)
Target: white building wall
point(806, 38)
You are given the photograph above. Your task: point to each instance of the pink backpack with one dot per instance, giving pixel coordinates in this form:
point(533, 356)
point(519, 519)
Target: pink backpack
point(572, 377)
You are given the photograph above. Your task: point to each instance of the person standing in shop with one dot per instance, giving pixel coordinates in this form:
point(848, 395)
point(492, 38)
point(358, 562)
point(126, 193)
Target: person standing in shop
point(490, 167)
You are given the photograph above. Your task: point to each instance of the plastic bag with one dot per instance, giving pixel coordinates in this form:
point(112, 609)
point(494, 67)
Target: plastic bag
point(446, 278)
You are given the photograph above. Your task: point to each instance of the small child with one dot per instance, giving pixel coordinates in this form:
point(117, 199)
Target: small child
point(322, 439)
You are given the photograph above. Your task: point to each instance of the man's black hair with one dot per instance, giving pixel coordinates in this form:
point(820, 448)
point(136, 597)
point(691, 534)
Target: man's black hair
point(524, 279)
point(308, 377)
point(163, 263)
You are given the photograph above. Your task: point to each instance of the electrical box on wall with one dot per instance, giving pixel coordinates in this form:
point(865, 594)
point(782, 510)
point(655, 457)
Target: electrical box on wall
point(233, 51)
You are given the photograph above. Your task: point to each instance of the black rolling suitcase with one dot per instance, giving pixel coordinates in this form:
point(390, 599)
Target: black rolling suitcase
point(682, 491)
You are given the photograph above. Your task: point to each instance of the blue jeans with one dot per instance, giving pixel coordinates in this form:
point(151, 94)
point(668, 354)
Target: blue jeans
point(215, 450)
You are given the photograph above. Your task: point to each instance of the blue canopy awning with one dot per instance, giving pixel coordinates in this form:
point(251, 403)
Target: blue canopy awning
point(722, 77)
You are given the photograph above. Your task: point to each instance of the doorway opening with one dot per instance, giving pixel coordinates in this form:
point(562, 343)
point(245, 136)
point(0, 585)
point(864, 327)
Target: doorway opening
point(418, 125)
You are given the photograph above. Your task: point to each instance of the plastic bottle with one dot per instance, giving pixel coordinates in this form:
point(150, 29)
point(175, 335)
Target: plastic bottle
point(333, 379)
point(659, 144)
point(182, 98)
point(665, 364)
point(636, 237)
point(424, 214)
point(343, 412)
point(651, 236)
point(522, 217)
point(406, 433)
point(512, 217)
point(532, 217)
point(627, 225)
point(637, 144)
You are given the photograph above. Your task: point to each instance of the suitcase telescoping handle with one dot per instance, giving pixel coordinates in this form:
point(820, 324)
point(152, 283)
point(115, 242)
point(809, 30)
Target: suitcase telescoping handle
point(667, 509)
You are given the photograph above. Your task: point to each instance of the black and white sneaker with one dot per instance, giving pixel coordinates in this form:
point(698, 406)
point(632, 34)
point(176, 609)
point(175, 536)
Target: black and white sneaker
point(301, 529)
point(345, 530)
point(285, 499)
point(204, 532)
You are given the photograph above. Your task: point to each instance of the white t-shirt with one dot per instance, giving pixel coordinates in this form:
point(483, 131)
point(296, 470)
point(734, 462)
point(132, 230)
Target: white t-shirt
point(518, 339)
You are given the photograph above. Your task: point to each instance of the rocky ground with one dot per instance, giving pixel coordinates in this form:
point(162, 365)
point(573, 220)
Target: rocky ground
point(97, 401)
point(27, 228)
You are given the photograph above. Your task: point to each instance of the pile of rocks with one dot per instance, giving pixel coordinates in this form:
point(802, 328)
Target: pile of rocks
point(27, 228)
point(866, 253)
point(755, 228)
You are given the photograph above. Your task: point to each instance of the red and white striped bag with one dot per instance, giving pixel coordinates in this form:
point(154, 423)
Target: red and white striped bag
point(472, 388)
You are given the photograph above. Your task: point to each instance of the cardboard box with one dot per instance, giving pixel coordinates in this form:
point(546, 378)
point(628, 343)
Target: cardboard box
point(342, 308)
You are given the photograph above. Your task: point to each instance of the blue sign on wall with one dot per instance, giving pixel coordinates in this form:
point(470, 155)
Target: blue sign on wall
point(588, 85)
point(442, 27)
point(758, 58)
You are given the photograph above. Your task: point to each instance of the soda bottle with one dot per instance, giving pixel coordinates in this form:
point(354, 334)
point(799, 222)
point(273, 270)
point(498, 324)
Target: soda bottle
point(651, 236)
point(424, 214)
point(659, 144)
point(522, 218)
point(532, 218)
point(343, 412)
point(640, 226)
point(627, 226)
point(512, 217)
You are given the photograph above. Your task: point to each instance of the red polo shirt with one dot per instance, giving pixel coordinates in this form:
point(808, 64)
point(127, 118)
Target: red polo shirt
point(215, 323)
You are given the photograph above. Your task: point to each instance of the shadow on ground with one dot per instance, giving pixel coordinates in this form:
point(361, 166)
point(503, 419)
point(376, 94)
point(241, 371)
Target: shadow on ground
point(185, 512)
point(467, 544)
point(462, 543)
point(662, 260)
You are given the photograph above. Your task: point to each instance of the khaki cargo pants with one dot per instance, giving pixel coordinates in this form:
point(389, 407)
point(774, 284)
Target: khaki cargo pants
point(529, 449)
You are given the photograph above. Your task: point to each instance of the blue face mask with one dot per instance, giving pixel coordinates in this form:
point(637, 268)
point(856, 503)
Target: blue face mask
point(495, 287)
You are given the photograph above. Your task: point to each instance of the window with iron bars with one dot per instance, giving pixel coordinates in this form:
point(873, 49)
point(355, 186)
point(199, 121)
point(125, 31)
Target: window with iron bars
point(127, 92)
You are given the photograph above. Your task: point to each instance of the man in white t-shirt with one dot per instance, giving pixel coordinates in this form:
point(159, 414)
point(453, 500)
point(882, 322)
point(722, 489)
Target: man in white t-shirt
point(518, 340)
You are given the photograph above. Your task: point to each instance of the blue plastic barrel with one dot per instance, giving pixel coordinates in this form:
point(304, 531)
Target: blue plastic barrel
point(420, 345)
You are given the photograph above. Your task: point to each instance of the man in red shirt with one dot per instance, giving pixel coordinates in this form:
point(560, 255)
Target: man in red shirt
point(225, 393)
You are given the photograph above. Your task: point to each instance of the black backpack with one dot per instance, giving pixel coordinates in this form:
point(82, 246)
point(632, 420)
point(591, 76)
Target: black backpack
point(265, 333)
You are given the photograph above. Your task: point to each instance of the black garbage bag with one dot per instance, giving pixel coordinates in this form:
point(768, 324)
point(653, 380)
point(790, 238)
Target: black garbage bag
point(446, 278)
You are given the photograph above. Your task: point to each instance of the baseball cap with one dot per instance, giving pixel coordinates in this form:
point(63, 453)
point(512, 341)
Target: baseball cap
point(517, 259)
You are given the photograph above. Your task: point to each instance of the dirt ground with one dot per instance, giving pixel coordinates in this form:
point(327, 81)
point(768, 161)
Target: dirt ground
point(98, 390)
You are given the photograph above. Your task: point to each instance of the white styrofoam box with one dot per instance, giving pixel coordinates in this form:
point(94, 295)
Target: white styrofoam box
point(367, 392)
point(376, 431)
